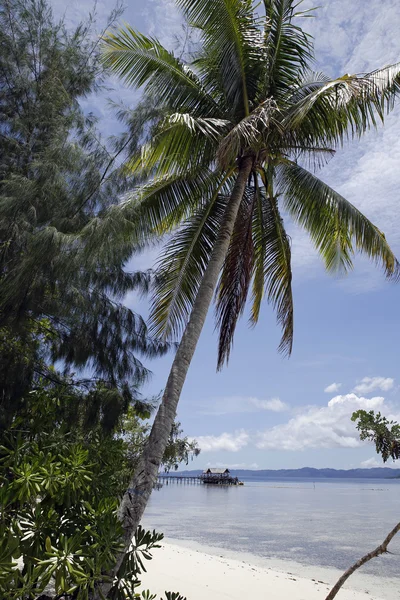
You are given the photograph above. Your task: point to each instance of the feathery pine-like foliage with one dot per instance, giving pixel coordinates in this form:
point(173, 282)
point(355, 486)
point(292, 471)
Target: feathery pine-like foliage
point(56, 175)
point(62, 472)
point(24, 365)
point(248, 89)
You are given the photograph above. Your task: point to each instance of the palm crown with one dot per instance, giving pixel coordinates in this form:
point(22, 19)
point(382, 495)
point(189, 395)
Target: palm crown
point(248, 96)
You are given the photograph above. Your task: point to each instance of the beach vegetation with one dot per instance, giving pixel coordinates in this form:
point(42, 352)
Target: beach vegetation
point(63, 469)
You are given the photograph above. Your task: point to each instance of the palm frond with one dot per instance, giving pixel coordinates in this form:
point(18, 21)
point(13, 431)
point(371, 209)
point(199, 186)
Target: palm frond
point(149, 211)
point(387, 83)
point(247, 135)
point(163, 203)
point(289, 50)
point(329, 111)
point(272, 265)
point(235, 278)
point(312, 157)
point(231, 40)
point(209, 127)
point(333, 223)
point(142, 61)
point(182, 264)
point(180, 144)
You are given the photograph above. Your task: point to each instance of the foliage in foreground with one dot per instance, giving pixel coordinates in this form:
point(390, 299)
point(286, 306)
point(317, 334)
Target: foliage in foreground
point(61, 478)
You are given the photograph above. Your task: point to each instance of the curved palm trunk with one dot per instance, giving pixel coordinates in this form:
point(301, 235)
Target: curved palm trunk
point(136, 497)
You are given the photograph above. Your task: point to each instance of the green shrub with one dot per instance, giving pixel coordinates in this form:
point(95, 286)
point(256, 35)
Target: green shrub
point(59, 492)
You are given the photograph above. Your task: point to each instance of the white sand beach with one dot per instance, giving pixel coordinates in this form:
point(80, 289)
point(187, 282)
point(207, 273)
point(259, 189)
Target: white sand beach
point(202, 574)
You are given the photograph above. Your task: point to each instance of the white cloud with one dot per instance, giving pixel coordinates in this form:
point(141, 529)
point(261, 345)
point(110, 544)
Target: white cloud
point(241, 404)
point(231, 442)
point(164, 21)
point(370, 384)
point(332, 388)
point(374, 461)
point(371, 462)
point(274, 405)
point(328, 426)
point(349, 35)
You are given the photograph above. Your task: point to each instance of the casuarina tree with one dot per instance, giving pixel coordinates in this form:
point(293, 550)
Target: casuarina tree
point(56, 174)
point(245, 121)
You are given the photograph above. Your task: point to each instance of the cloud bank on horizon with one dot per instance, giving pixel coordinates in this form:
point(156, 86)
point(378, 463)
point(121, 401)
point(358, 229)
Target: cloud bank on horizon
point(326, 426)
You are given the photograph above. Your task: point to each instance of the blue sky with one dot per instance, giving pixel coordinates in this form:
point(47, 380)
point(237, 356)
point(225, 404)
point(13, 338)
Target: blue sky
point(264, 411)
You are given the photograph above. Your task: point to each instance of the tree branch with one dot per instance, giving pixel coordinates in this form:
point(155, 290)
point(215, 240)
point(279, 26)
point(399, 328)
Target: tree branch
point(382, 549)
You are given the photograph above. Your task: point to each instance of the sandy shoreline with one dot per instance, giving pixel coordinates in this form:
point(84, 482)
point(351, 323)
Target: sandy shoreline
point(202, 573)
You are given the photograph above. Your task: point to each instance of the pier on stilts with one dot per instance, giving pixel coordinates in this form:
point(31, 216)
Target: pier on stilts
point(183, 479)
point(209, 477)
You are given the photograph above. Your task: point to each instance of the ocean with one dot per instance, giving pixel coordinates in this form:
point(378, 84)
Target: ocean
point(330, 523)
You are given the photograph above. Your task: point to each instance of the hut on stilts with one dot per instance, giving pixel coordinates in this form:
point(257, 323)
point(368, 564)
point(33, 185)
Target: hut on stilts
point(218, 477)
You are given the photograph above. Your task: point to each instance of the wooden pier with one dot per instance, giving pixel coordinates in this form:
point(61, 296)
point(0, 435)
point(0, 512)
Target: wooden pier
point(183, 479)
point(209, 477)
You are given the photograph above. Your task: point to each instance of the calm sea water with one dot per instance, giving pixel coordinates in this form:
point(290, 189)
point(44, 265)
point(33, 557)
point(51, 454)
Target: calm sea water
point(332, 524)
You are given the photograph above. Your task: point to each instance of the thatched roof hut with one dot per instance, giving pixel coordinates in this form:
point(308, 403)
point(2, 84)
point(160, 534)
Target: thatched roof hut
point(216, 472)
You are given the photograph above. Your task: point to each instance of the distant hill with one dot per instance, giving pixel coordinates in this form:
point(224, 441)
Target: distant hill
point(310, 473)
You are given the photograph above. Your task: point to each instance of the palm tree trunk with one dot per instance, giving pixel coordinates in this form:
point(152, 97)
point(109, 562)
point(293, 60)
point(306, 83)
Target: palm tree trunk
point(136, 497)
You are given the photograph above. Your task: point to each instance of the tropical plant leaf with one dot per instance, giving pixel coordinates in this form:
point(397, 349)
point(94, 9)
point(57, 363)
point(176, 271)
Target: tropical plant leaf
point(272, 265)
point(334, 224)
point(182, 265)
point(269, 104)
point(233, 287)
point(231, 40)
point(289, 50)
point(142, 61)
point(180, 144)
point(311, 157)
point(387, 82)
point(155, 208)
point(248, 135)
point(325, 111)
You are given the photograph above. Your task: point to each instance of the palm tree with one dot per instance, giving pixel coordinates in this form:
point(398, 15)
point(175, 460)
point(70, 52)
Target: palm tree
point(241, 122)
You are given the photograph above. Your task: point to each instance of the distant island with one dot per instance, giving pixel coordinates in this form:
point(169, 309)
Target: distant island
point(311, 473)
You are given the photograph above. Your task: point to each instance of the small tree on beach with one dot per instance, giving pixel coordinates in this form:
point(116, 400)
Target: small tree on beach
point(376, 428)
point(386, 436)
point(243, 118)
